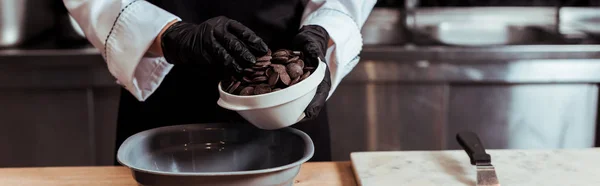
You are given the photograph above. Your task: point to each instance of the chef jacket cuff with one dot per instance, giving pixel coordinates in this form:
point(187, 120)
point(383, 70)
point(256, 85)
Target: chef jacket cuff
point(342, 57)
point(133, 32)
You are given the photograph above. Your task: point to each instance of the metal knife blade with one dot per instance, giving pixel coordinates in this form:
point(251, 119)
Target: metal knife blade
point(486, 173)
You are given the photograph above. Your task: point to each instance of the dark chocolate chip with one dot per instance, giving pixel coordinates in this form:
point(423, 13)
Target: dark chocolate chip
point(278, 68)
point(294, 59)
point(248, 70)
point(247, 91)
point(305, 75)
point(262, 64)
point(234, 87)
point(226, 89)
point(309, 68)
point(281, 53)
point(259, 67)
point(300, 62)
point(259, 79)
point(262, 89)
point(247, 79)
point(264, 58)
point(295, 81)
point(280, 60)
point(273, 79)
point(259, 73)
point(294, 70)
point(284, 78)
point(269, 72)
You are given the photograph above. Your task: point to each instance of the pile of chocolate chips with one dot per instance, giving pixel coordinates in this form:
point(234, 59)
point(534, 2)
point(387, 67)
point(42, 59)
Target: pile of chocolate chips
point(272, 72)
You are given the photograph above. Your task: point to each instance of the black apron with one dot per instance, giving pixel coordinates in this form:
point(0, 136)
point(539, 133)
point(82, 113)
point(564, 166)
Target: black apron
point(188, 93)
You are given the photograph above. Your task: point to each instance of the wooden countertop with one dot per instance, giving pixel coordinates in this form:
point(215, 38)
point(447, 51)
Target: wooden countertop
point(311, 174)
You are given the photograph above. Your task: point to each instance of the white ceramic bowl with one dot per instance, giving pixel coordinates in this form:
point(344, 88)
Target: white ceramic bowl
point(277, 109)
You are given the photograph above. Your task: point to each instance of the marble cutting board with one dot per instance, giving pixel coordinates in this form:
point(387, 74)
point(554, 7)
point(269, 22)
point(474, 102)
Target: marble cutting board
point(566, 167)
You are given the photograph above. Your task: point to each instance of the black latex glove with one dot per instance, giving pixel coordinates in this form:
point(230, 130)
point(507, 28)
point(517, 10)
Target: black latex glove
point(312, 40)
point(219, 41)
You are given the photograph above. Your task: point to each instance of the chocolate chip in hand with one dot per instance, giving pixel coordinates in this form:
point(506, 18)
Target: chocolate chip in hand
point(294, 70)
point(259, 67)
point(281, 52)
point(259, 79)
point(247, 91)
point(264, 58)
point(273, 79)
point(269, 53)
point(263, 64)
point(262, 89)
point(234, 87)
point(280, 60)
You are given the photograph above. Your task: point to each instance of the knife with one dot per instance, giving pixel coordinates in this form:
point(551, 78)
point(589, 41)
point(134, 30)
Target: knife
point(486, 174)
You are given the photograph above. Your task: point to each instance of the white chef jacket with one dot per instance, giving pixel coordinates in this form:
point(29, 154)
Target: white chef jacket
point(123, 30)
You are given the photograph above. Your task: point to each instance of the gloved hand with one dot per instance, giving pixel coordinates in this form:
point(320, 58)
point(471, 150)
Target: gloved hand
point(312, 40)
point(219, 41)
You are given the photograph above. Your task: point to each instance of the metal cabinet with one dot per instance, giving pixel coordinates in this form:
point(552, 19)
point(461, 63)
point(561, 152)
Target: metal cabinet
point(387, 105)
point(369, 117)
point(105, 105)
point(57, 127)
point(44, 128)
point(56, 110)
point(524, 115)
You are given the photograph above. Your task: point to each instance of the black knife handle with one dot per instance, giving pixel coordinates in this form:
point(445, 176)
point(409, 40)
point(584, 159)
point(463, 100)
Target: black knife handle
point(474, 148)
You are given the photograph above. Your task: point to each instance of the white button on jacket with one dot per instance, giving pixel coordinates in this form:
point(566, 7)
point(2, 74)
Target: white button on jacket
point(123, 30)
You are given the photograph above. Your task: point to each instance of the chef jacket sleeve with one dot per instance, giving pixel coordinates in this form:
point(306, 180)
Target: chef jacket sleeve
point(343, 20)
point(123, 30)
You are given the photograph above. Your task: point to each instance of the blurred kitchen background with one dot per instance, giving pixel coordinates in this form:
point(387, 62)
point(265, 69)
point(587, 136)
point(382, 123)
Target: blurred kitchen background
point(521, 73)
